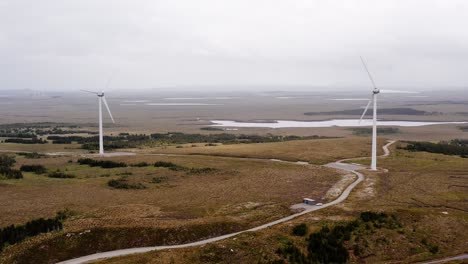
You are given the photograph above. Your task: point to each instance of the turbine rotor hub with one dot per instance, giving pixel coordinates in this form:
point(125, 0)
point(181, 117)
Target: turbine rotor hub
point(376, 91)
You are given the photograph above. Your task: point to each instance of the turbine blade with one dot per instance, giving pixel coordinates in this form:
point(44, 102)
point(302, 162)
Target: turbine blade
point(368, 73)
point(86, 91)
point(108, 110)
point(365, 110)
point(398, 92)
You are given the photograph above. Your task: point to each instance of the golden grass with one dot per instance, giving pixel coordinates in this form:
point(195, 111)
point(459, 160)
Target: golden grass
point(240, 189)
point(319, 151)
point(420, 179)
point(419, 188)
point(42, 147)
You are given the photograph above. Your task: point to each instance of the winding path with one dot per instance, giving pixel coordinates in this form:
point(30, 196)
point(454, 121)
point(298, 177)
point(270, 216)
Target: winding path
point(456, 258)
point(337, 165)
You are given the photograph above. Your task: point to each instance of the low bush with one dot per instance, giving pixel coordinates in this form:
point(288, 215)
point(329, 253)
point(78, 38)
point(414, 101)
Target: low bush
point(140, 164)
point(159, 179)
point(60, 175)
point(13, 174)
point(6, 168)
point(169, 165)
point(105, 164)
point(300, 230)
point(32, 155)
point(123, 183)
point(201, 170)
point(37, 169)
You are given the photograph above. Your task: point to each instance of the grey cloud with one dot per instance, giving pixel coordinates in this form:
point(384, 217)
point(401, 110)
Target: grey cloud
point(153, 43)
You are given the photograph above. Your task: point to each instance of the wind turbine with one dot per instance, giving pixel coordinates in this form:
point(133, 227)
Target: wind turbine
point(101, 99)
point(375, 92)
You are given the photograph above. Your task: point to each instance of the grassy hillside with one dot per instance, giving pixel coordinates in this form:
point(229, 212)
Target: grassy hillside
point(319, 151)
point(423, 191)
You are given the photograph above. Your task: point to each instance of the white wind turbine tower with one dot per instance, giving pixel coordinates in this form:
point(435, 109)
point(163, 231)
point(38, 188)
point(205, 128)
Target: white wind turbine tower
point(373, 100)
point(101, 99)
point(375, 92)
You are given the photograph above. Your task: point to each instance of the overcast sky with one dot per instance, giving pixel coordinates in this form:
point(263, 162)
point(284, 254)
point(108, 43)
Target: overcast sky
point(78, 44)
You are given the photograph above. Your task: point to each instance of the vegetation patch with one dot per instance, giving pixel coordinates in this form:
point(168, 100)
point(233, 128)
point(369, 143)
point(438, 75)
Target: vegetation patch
point(37, 169)
point(25, 141)
point(13, 234)
point(105, 164)
point(140, 164)
point(224, 138)
point(32, 155)
point(159, 179)
point(169, 165)
point(365, 131)
point(60, 134)
point(453, 147)
point(60, 175)
point(71, 245)
point(175, 167)
point(329, 244)
point(202, 170)
point(6, 168)
point(211, 129)
point(300, 230)
point(123, 183)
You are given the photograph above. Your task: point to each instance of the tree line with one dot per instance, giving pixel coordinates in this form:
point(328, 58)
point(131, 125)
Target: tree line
point(13, 234)
point(126, 140)
point(105, 164)
point(25, 141)
point(453, 147)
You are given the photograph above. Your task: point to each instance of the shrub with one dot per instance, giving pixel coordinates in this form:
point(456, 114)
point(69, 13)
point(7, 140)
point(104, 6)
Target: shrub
point(300, 230)
point(6, 164)
point(140, 164)
point(159, 179)
point(33, 155)
point(169, 165)
point(105, 164)
point(13, 174)
point(373, 217)
point(201, 170)
point(292, 253)
point(433, 249)
point(60, 175)
point(37, 169)
point(122, 183)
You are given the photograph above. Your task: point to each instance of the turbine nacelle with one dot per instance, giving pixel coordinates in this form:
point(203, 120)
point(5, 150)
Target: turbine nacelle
point(376, 91)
